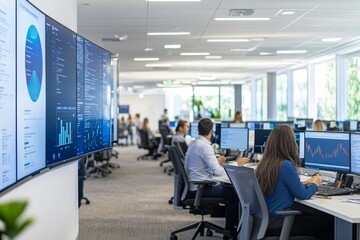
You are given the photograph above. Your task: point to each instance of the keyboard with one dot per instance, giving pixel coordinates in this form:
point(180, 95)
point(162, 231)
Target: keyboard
point(326, 190)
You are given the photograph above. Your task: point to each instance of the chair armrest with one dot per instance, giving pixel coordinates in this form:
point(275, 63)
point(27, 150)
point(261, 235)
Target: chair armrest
point(200, 190)
point(288, 221)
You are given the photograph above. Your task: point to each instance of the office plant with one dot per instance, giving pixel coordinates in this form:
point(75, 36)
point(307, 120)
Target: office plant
point(10, 213)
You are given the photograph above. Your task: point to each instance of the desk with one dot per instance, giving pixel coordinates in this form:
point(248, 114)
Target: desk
point(346, 214)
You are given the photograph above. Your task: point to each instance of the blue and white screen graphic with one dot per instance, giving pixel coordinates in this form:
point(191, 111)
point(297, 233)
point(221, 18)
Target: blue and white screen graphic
point(7, 95)
point(31, 88)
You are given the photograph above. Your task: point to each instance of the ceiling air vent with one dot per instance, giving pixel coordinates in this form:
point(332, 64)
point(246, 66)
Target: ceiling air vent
point(240, 12)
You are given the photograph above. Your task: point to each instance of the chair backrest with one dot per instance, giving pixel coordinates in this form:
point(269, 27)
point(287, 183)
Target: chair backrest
point(254, 215)
point(182, 148)
point(181, 184)
point(144, 139)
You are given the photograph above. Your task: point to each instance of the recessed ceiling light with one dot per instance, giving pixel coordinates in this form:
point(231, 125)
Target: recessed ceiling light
point(213, 57)
point(242, 19)
point(195, 54)
point(167, 33)
point(145, 59)
point(257, 39)
point(148, 49)
point(287, 12)
point(243, 49)
point(331, 39)
point(172, 0)
point(266, 53)
point(158, 65)
point(228, 40)
point(172, 46)
point(290, 51)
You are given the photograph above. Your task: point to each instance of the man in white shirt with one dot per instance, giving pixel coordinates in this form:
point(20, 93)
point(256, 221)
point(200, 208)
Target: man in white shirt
point(202, 164)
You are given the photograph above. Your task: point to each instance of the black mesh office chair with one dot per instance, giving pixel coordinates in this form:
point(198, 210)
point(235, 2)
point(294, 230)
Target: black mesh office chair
point(254, 215)
point(165, 140)
point(198, 205)
point(145, 144)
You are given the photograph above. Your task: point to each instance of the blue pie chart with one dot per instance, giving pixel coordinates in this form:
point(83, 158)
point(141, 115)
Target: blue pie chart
point(33, 63)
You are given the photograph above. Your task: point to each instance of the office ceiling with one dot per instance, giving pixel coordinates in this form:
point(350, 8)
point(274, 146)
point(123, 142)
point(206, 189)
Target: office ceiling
point(292, 25)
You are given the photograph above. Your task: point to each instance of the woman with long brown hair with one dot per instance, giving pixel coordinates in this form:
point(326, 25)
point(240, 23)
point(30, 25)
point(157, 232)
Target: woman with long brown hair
point(279, 181)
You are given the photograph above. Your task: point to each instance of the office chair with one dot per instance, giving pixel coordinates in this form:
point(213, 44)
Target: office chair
point(82, 175)
point(101, 168)
point(145, 144)
point(165, 140)
point(254, 215)
point(198, 205)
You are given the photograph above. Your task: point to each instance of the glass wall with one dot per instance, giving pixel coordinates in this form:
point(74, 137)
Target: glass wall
point(246, 101)
point(179, 102)
point(353, 89)
point(281, 97)
point(261, 99)
point(325, 90)
point(206, 102)
point(300, 97)
point(227, 102)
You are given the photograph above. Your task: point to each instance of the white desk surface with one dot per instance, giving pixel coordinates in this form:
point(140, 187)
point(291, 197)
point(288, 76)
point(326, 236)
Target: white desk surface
point(349, 212)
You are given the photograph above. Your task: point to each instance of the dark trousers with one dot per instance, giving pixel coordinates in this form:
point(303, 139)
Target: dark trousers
point(311, 222)
point(225, 192)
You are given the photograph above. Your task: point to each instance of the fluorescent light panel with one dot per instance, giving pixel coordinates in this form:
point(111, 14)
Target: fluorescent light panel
point(195, 54)
point(172, 0)
point(167, 33)
point(242, 19)
point(291, 51)
point(148, 49)
point(145, 59)
point(265, 53)
point(213, 57)
point(228, 40)
point(172, 46)
point(158, 65)
point(331, 39)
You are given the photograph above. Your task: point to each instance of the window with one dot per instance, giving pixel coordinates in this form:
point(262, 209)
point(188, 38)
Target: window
point(246, 101)
point(261, 99)
point(353, 85)
point(227, 102)
point(300, 92)
point(281, 97)
point(206, 102)
point(179, 102)
point(325, 90)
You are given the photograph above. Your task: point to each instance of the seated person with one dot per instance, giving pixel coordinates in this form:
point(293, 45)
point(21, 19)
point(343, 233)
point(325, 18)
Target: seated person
point(279, 181)
point(165, 132)
point(201, 164)
point(318, 125)
point(153, 142)
point(182, 129)
point(238, 117)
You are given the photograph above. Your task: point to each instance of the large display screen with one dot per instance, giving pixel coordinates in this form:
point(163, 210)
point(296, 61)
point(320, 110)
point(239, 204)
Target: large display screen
point(31, 89)
point(93, 97)
point(61, 92)
point(7, 95)
point(327, 151)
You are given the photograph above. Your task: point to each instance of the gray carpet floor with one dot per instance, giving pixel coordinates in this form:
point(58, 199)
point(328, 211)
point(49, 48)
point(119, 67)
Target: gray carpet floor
point(132, 203)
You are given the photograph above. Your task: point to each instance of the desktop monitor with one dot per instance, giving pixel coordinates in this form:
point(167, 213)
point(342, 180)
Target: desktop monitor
point(355, 153)
point(234, 138)
point(7, 95)
point(353, 125)
point(60, 92)
point(239, 125)
point(172, 124)
point(31, 89)
point(327, 151)
point(261, 136)
point(300, 139)
point(194, 129)
point(217, 133)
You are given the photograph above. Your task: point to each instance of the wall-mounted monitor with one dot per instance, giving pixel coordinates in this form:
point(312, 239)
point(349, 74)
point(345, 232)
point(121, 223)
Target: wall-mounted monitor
point(31, 89)
point(60, 92)
point(124, 109)
point(7, 95)
point(327, 151)
point(93, 97)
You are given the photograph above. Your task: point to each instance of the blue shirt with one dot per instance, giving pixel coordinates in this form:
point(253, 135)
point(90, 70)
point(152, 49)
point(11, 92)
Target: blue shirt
point(288, 187)
point(201, 163)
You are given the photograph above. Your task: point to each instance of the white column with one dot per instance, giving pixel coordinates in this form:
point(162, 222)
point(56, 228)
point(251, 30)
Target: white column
point(271, 95)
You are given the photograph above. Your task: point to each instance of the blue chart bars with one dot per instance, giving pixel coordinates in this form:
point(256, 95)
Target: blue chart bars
point(328, 151)
point(61, 92)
